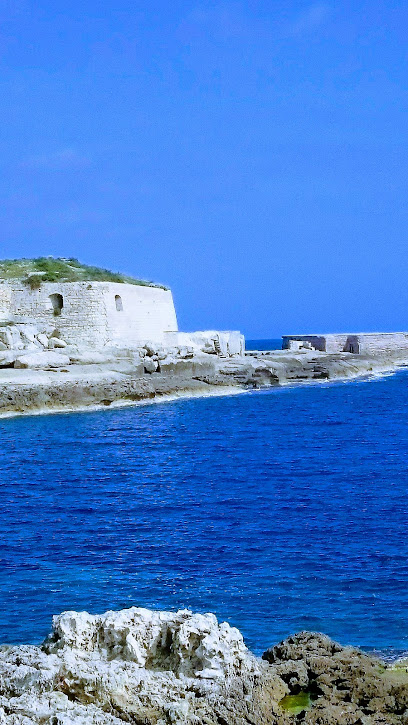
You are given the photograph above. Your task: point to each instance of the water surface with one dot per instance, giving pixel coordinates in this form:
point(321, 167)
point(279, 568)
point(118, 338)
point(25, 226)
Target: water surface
point(278, 510)
point(275, 344)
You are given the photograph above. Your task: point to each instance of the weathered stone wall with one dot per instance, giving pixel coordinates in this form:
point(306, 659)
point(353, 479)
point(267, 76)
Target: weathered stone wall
point(91, 314)
point(317, 341)
point(388, 341)
point(336, 343)
point(82, 319)
point(136, 314)
point(5, 301)
point(364, 342)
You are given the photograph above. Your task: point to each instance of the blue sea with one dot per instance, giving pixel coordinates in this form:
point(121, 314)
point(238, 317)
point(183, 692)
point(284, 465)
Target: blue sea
point(279, 510)
point(275, 344)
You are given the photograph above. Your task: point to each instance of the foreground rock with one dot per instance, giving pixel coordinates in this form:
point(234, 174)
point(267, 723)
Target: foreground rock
point(341, 684)
point(141, 667)
point(158, 668)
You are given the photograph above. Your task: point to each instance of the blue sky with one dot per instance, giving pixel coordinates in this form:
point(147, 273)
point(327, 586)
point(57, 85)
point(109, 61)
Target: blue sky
point(252, 155)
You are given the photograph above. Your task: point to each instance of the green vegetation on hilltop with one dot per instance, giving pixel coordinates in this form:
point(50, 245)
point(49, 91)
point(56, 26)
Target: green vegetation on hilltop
point(60, 269)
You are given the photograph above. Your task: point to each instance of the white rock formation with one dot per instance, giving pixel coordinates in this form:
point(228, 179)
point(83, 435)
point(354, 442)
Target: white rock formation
point(193, 645)
point(136, 666)
point(214, 342)
point(39, 360)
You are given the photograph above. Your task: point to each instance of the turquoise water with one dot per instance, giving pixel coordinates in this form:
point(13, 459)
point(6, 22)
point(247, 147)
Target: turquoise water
point(278, 510)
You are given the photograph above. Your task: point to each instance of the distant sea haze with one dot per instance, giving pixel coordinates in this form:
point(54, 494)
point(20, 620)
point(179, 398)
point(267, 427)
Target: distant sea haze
point(278, 510)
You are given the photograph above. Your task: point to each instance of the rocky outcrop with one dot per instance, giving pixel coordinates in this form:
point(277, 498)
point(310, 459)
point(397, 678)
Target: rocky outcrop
point(343, 684)
point(41, 360)
point(138, 666)
point(156, 668)
point(28, 336)
point(62, 377)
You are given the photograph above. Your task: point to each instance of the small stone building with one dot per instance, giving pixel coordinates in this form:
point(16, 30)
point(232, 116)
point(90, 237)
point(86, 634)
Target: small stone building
point(92, 313)
point(356, 343)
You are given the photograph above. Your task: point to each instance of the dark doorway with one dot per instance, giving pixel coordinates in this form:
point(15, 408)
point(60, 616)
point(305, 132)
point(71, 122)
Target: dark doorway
point(57, 302)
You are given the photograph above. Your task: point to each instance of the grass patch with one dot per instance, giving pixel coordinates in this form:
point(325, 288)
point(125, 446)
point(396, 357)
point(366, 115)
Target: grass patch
point(60, 269)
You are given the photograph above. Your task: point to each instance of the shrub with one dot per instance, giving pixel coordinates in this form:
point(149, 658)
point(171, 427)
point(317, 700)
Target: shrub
point(33, 281)
point(61, 269)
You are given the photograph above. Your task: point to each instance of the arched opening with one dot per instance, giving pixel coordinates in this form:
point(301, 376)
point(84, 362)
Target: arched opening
point(57, 302)
point(118, 303)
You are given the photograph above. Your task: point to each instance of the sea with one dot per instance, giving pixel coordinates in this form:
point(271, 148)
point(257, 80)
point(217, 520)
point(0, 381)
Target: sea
point(279, 510)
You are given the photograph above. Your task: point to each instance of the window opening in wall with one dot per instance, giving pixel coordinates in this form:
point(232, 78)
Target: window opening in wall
point(57, 302)
point(118, 303)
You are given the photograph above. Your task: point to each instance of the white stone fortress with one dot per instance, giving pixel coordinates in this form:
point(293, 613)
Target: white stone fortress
point(37, 314)
point(74, 336)
point(92, 313)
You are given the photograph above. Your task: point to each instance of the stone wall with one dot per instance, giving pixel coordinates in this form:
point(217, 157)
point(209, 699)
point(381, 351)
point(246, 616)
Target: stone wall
point(92, 313)
point(291, 342)
point(363, 342)
point(5, 301)
point(136, 314)
point(387, 341)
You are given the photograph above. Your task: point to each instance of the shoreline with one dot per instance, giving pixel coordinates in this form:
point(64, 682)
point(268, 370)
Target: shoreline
point(120, 404)
point(114, 385)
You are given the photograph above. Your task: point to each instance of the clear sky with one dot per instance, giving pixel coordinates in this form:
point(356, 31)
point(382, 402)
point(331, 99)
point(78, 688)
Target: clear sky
point(252, 155)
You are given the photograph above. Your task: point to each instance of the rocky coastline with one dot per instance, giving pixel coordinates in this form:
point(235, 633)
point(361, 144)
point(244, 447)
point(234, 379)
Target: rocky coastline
point(160, 668)
point(61, 378)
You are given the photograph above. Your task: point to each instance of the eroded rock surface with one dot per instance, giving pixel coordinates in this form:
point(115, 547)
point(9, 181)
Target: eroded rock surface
point(344, 684)
point(138, 666)
point(40, 372)
point(157, 668)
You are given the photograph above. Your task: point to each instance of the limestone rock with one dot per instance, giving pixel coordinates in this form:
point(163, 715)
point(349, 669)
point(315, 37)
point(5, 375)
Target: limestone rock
point(10, 336)
point(138, 666)
point(42, 339)
point(89, 357)
point(56, 342)
point(28, 333)
point(157, 668)
point(150, 365)
point(194, 645)
point(7, 358)
point(186, 352)
point(150, 349)
point(345, 685)
point(40, 360)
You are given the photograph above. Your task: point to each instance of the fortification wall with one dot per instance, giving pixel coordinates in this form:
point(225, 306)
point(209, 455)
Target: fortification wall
point(336, 343)
point(135, 314)
point(82, 318)
point(318, 342)
point(388, 341)
point(363, 342)
point(93, 313)
point(5, 301)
